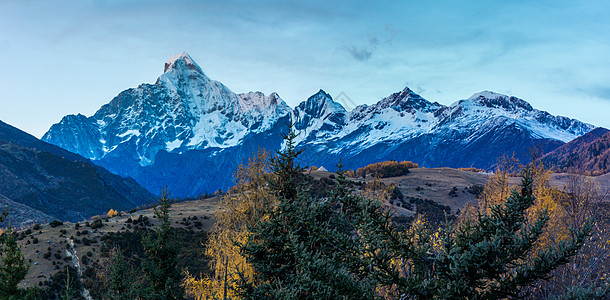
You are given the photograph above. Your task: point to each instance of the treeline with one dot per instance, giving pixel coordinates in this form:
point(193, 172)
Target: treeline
point(474, 170)
point(384, 169)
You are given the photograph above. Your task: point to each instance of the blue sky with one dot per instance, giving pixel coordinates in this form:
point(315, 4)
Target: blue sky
point(65, 57)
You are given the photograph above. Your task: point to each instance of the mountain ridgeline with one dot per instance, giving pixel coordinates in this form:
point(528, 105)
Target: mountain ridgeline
point(588, 154)
point(40, 182)
point(190, 133)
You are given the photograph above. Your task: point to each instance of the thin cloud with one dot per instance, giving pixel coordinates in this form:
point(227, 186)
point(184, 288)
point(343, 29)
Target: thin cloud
point(391, 33)
point(374, 41)
point(602, 92)
point(360, 54)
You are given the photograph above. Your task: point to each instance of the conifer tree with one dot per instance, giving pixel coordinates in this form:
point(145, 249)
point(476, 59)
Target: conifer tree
point(490, 257)
point(119, 281)
point(286, 181)
point(305, 249)
point(69, 292)
point(347, 247)
point(12, 266)
point(162, 277)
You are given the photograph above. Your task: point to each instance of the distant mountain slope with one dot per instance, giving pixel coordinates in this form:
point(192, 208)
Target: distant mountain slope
point(20, 214)
point(469, 133)
point(54, 183)
point(588, 154)
point(190, 132)
point(10, 134)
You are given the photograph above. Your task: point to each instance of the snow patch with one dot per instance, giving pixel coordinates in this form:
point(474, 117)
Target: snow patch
point(130, 132)
point(170, 146)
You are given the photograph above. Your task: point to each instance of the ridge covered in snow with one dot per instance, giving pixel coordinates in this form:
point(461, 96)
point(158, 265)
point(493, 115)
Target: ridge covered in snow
point(183, 110)
point(187, 122)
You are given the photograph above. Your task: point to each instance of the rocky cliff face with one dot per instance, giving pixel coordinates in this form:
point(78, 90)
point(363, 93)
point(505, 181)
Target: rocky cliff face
point(190, 132)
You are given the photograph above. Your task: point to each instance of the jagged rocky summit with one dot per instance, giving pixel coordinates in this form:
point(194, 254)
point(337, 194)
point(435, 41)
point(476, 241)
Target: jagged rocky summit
point(190, 133)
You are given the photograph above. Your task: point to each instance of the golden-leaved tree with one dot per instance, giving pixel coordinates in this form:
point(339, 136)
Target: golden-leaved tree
point(568, 206)
point(579, 199)
point(505, 178)
point(386, 169)
point(245, 204)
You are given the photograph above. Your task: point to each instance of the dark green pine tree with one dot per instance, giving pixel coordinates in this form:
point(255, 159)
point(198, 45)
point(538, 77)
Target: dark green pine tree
point(69, 292)
point(120, 281)
point(306, 249)
point(12, 266)
point(162, 278)
point(287, 179)
point(493, 256)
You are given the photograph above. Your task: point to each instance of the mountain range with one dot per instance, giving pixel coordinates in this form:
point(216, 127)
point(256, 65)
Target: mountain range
point(40, 182)
point(189, 132)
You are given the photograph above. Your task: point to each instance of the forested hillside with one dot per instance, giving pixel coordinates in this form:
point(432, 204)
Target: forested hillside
point(588, 154)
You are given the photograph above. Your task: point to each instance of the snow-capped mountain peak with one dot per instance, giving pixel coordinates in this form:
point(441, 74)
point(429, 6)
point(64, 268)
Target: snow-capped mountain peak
point(258, 101)
point(182, 60)
point(318, 117)
point(321, 104)
point(259, 112)
point(407, 100)
point(490, 109)
point(496, 100)
point(187, 122)
point(184, 110)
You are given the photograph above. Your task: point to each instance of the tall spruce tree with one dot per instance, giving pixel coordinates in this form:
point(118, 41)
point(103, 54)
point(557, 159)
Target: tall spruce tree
point(69, 292)
point(13, 267)
point(161, 273)
point(119, 281)
point(490, 257)
point(287, 179)
point(305, 249)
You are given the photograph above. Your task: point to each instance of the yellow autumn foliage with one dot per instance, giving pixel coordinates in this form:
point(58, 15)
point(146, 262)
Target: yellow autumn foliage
point(565, 205)
point(377, 190)
point(386, 169)
point(112, 213)
point(197, 288)
point(504, 180)
point(350, 173)
point(243, 206)
point(569, 204)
